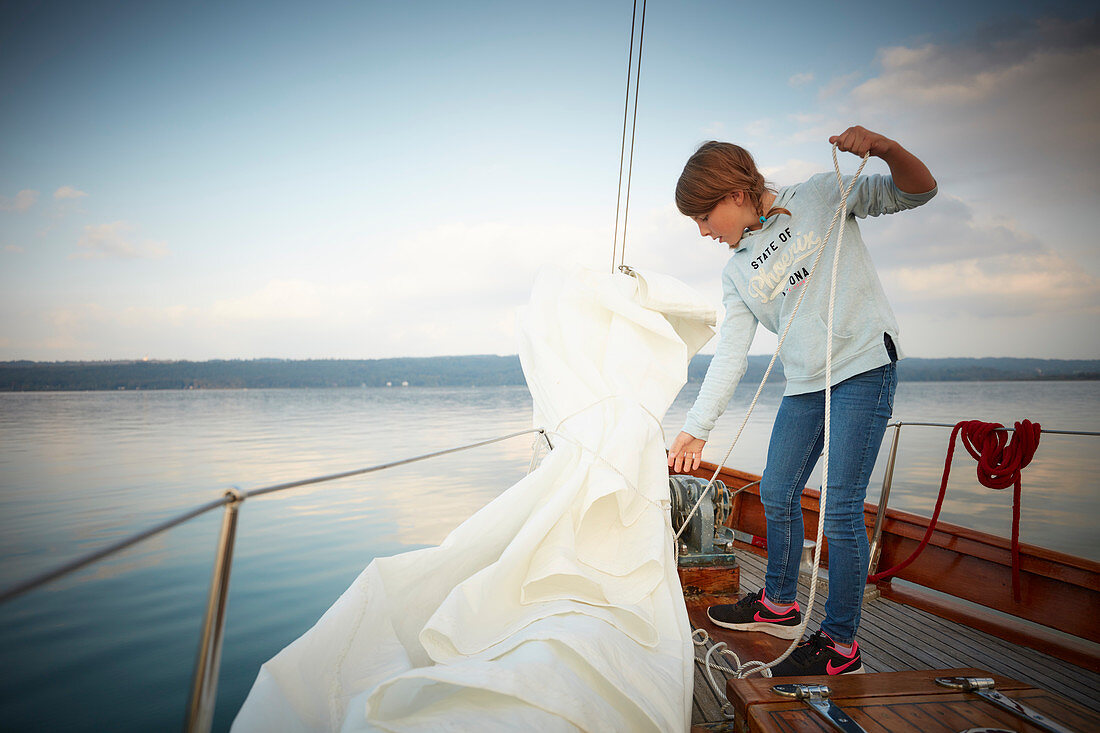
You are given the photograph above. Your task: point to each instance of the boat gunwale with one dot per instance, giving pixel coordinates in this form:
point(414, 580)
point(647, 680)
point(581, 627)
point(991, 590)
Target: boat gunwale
point(1044, 571)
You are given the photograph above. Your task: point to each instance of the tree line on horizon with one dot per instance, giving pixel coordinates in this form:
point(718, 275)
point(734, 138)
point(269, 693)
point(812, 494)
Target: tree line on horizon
point(445, 371)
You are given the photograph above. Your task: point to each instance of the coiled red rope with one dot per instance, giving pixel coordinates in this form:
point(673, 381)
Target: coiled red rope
point(1000, 461)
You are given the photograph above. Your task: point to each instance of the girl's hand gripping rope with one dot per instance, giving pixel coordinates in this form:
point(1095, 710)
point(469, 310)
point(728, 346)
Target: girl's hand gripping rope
point(909, 173)
point(860, 141)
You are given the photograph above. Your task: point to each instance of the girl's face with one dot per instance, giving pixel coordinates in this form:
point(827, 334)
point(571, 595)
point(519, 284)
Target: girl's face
point(727, 221)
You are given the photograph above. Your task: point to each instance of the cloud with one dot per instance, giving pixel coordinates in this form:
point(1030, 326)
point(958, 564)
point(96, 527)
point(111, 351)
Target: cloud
point(814, 129)
point(60, 332)
point(945, 258)
point(715, 131)
point(802, 79)
point(837, 85)
point(115, 241)
point(13, 248)
point(68, 192)
point(1018, 104)
point(758, 128)
point(1003, 285)
point(449, 289)
point(1003, 261)
point(948, 229)
point(466, 259)
point(790, 172)
point(280, 300)
point(22, 201)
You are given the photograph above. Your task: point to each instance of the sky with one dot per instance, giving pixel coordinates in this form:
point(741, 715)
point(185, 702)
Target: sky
point(367, 179)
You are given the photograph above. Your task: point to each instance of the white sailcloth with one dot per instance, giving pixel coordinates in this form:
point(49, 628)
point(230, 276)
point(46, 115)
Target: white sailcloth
point(556, 607)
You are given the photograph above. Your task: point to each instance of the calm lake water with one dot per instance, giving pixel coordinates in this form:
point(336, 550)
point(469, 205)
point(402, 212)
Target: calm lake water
point(112, 647)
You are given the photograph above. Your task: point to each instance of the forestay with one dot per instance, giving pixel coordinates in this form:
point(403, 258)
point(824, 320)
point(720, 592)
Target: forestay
point(556, 607)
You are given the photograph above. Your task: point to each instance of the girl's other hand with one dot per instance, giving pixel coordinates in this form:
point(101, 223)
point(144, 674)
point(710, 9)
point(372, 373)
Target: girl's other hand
point(859, 140)
point(686, 453)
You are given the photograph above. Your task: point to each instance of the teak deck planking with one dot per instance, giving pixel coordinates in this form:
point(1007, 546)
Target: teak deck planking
point(893, 638)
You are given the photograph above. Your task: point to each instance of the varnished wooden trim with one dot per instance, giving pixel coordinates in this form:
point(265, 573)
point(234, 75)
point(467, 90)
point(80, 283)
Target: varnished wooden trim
point(1075, 651)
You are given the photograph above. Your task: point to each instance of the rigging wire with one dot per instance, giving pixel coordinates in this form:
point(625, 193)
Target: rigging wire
point(616, 253)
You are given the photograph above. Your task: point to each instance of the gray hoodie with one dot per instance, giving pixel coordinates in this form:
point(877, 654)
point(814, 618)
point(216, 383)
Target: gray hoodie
point(761, 283)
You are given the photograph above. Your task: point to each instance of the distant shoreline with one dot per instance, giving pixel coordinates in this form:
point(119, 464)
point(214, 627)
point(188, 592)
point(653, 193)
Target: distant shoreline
point(446, 371)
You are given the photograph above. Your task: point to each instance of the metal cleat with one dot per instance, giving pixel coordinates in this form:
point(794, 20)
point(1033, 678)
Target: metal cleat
point(817, 697)
point(984, 688)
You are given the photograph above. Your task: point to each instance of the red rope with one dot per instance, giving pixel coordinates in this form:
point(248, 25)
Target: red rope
point(1000, 461)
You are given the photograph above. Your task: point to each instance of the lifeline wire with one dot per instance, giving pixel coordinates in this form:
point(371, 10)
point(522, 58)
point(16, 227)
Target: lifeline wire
point(842, 210)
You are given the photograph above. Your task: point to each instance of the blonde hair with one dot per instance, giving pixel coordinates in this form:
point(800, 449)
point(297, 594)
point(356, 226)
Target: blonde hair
point(717, 170)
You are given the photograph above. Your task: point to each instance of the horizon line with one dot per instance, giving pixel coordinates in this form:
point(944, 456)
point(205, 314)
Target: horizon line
point(151, 360)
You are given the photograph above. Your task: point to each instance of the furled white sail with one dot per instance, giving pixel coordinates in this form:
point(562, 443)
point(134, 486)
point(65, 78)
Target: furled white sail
point(557, 606)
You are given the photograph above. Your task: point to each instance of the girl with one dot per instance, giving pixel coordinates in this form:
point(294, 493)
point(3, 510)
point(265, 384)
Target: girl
point(774, 236)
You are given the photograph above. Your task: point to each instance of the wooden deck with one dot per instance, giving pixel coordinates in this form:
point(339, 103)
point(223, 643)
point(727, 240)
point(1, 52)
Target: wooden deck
point(894, 637)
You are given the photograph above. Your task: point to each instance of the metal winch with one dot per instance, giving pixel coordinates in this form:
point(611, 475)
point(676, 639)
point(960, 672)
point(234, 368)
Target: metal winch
point(706, 537)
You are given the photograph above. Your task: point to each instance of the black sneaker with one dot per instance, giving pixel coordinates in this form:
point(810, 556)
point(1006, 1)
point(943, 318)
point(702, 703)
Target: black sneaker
point(750, 614)
point(817, 655)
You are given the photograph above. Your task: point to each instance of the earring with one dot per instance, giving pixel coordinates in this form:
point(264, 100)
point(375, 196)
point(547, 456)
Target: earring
point(763, 219)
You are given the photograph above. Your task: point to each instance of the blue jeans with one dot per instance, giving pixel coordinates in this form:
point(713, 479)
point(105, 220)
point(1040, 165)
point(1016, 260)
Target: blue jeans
point(861, 407)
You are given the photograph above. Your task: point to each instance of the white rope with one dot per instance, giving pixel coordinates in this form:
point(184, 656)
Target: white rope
point(744, 670)
point(709, 666)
